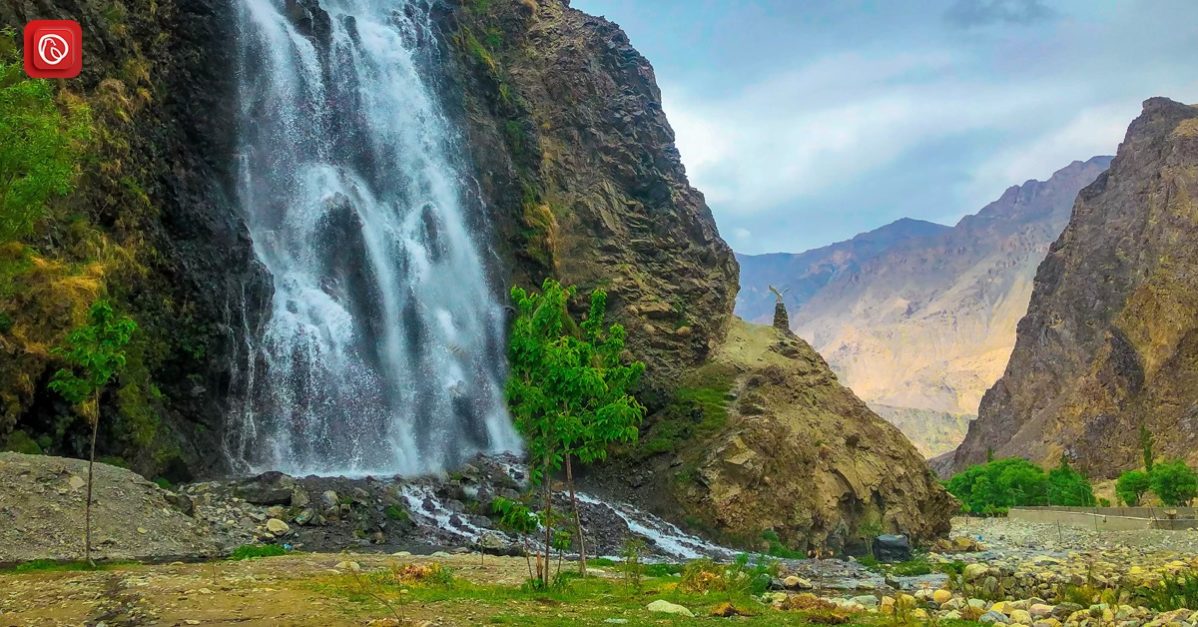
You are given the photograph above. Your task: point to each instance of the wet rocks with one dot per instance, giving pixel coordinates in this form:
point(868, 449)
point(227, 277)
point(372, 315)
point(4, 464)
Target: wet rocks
point(892, 548)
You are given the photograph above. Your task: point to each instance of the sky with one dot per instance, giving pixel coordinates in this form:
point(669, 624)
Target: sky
point(805, 122)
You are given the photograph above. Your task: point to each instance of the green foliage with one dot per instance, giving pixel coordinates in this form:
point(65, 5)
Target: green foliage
point(631, 552)
point(1175, 591)
point(1069, 487)
point(567, 388)
point(397, 513)
point(40, 145)
point(515, 516)
point(1131, 486)
point(991, 488)
point(1173, 482)
point(94, 352)
point(164, 483)
point(775, 548)
point(20, 442)
point(912, 568)
point(251, 551)
point(1146, 448)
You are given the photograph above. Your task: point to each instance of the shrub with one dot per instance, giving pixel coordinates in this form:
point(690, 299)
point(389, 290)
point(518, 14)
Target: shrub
point(1067, 486)
point(1131, 486)
point(991, 488)
point(1173, 482)
point(251, 551)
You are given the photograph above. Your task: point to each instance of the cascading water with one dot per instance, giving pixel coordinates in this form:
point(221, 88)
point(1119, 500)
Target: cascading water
point(383, 348)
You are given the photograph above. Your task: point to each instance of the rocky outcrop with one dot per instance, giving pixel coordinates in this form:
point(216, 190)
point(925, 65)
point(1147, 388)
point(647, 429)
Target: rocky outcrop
point(773, 448)
point(1110, 339)
point(42, 512)
point(563, 120)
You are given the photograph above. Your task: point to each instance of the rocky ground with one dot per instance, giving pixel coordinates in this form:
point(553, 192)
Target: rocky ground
point(1041, 575)
point(42, 510)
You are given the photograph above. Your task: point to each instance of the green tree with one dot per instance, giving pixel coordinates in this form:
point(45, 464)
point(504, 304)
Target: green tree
point(1067, 486)
point(995, 486)
point(1146, 447)
point(568, 390)
point(39, 148)
point(1173, 482)
point(1131, 486)
point(94, 354)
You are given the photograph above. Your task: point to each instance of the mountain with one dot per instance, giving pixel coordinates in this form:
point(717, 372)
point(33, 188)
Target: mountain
point(804, 274)
point(1110, 339)
point(919, 319)
point(537, 138)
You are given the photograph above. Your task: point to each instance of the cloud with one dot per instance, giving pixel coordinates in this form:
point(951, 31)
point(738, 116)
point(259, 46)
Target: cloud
point(742, 235)
point(1091, 132)
point(800, 134)
point(972, 13)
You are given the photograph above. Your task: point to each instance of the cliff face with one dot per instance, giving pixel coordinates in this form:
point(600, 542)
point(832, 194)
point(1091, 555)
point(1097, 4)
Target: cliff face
point(1110, 339)
point(564, 122)
point(150, 224)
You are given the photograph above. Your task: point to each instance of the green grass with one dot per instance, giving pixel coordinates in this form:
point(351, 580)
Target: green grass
point(777, 549)
point(395, 512)
point(251, 551)
point(590, 601)
point(699, 409)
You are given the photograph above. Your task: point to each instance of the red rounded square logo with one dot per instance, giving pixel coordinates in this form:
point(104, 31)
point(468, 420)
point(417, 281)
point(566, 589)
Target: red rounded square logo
point(53, 49)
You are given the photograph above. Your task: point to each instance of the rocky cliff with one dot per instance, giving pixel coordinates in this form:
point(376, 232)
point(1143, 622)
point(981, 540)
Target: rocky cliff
point(1110, 339)
point(563, 119)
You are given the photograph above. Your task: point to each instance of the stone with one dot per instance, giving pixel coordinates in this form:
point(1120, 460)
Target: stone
point(277, 527)
point(268, 488)
point(76, 482)
point(305, 517)
point(892, 548)
point(348, 565)
point(1041, 610)
point(1023, 617)
point(942, 596)
point(973, 572)
point(329, 500)
point(661, 606)
point(795, 582)
point(993, 618)
point(865, 600)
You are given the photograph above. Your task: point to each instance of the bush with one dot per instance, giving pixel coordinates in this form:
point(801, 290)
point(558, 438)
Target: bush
point(1131, 486)
point(1173, 482)
point(251, 551)
point(991, 488)
point(1069, 487)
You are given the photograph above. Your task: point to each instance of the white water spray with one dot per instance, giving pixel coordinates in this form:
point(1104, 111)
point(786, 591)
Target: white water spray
point(383, 348)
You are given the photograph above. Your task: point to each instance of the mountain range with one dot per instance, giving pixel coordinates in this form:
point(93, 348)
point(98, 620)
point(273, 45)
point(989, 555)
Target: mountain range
point(919, 318)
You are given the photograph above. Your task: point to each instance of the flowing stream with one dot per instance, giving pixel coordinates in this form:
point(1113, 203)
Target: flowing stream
point(383, 349)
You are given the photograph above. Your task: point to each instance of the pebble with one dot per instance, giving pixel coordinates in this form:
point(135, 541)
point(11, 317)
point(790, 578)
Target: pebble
point(662, 606)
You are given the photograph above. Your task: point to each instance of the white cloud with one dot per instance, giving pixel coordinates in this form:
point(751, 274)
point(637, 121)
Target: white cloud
point(829, 125)
point(1092, 131)
point(742, 235)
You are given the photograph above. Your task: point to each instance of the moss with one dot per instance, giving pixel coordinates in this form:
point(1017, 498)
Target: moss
point(699, 409)
point(252, 551)
point(20, 442)
point(397, 513)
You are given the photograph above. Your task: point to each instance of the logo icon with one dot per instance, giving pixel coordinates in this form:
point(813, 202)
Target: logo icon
point(53, 49)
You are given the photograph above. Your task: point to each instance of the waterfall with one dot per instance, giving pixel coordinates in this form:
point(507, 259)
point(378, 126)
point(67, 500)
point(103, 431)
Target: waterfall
point(383, 350)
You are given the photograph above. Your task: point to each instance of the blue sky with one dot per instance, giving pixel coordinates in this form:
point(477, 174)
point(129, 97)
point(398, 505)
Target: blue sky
point(808, 121)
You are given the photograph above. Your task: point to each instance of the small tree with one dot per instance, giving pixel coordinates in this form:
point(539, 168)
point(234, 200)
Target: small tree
point(1131, 486)
point(568, 390)
point(1067, 486)
point(1146, 447)
point(95, 354)
point(1173, 482)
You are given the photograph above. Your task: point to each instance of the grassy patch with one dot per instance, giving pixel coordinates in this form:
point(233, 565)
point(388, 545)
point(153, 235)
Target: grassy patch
point(397, 513)
point(699, 409)
point(251, 551)
point(777, 549)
